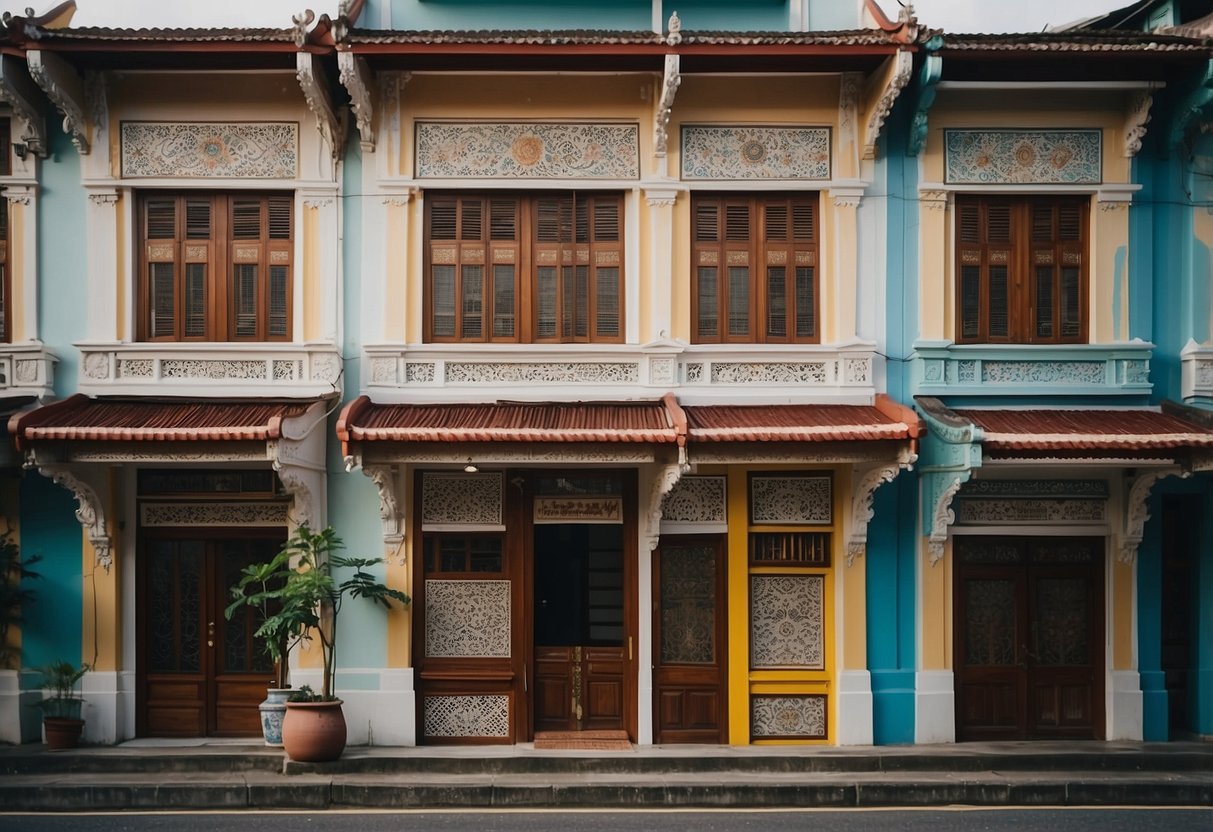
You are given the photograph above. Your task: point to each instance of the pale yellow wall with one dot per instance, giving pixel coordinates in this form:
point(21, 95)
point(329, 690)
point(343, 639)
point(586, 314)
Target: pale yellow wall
point(398, 224)
point(1121, 614)
point(16, 270)
point(854, 621)
point(936, 582)
point(313, 280)
point(101, 630)
point(399, 575)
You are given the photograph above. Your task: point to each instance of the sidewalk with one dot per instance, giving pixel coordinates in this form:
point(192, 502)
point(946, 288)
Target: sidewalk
point(148, 774)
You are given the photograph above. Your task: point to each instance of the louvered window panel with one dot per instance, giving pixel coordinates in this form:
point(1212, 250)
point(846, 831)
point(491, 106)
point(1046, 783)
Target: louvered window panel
point(472, 302)
point(279, 310)
point(280, 218)
point(545, 327)
point(607, 313)
point(707, 222)
point(503, 220)
point(806, 304)
point(442, 301)
point(777, 303)
point(970, 302)
point(195, 300)
point(161, 219)
point(1000, 303)
point(777, 223)
point(504, 298)
point(163, 301)
point(246, 220)
point(443, 219)
point(1071, 303)
point(245, 292)
point(708, 296)
point(471, 219)
point(739, 301)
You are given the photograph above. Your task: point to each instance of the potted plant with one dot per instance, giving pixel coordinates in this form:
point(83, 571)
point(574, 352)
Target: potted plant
point(61, 710)
point(308, 607)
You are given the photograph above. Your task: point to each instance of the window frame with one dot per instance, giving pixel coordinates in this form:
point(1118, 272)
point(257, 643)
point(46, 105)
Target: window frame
point(1025, 257)
point(759, 255)
point(222, 252)
point(470, 243)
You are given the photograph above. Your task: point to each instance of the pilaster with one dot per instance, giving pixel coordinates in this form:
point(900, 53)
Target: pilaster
point(101, 235)
point(661, 263)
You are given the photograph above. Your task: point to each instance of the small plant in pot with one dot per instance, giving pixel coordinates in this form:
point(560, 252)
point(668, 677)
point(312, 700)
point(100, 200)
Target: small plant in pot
point(310, 602)
point(62, 709)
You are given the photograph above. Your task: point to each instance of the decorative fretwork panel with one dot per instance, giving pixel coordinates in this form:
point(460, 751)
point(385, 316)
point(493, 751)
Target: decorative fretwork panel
point(787, 621)
point(214, 514)
point(1000, 512)
point(467, 716)
point(696, 500)
point(988, 550)
point(210, 150)
point(688, 604)
point(1061, 622)
point(467, 619)
point(1019, 157)
point(753, 152)
point(516, 150)
point(791, 500)
point(461, 499)
point(990, 623)
point(791, 717)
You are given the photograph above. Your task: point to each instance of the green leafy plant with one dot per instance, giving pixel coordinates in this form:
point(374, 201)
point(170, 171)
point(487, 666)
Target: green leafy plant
point(15, 594)
point(61, 678)
point(308, 603)
point(261, 588)
point(304, 694)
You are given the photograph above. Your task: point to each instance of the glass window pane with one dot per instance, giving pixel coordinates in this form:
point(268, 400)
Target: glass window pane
point(545, 302)
point(777, 302)
point(709, 302)
point(162, 302)
point(739, 300)
point(279, 277)
point(606, 302)
point(806, 303)
point(195, 300)
point(1071, 313)
point(582, 312)
point(245, 279)
point(473, 302)
point(503, 301)
point(444, 301)
point(1044, 302)
point(568, 310)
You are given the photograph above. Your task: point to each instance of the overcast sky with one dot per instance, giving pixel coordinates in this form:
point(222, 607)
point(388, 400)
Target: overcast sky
point(969, 16)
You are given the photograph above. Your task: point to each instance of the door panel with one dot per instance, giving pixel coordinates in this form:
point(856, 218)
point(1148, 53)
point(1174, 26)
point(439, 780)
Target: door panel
point(688, 641)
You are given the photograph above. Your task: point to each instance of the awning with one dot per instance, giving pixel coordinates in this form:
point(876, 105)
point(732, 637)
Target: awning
point(885, 420)
point(81, 418)
point(1105, 430)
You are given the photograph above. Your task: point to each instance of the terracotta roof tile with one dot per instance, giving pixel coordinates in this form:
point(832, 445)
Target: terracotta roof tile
point(1091, 41)
point(180, 35)
point(1125, 430)
point(597, 37)
point(80, 418)
point(796, 423)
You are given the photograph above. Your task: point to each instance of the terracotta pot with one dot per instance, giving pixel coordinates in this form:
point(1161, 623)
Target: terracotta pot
point(313, 732)
point(61, 732)
point(273, 709)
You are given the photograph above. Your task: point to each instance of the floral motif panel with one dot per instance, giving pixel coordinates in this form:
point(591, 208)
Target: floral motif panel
point(210, 150)
point(688, 604)
point(798, 717)
point(695, 500)
point(467, 619)
point(1023, 157)
point(214, 514)
point(754, 152)
point(990, 623)
point(787, 621)
point(792, 500)
point(527, 150)
point(565, 372)
point(461, 499)
point(974, 511)
point(1061, 622)
point(467, 716)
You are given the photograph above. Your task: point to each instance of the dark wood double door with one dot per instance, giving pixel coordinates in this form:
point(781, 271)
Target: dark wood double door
point(198, 673)
point(1028, 642)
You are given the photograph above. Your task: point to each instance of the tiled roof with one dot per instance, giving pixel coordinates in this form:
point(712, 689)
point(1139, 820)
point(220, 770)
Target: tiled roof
point(1090, 41)
point(593, 37)
point(80, 418)
point(212, 35)
point(1088, 430)
point(801, 423)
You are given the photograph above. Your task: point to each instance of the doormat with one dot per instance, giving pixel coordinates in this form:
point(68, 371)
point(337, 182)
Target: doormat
point(582, 741)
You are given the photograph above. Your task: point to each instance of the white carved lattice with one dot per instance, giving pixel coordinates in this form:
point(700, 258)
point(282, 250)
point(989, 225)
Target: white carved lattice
point(799, 500)
point(787, 621)
point(553, 372)
point(755, 152)
point(1030, 511)
point(784, 372)
point(467, 716)
point(461, 499)
point(696, 500)
point(803, 717)
point(467, 619)
point(248, 150)
point(214, 514)
point(516, 150)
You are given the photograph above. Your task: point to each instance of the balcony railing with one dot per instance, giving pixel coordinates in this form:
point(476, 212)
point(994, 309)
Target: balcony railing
point(26, 370)
point(1197, 371)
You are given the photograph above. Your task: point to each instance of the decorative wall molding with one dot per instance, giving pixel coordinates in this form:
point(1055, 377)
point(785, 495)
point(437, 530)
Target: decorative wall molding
point(791, 500)
point(310, 72)
point(90, 511)
point(390, 515)
point(467, 619)
point(942, 517)
point(793, 717)
point(1030, 511)
point(103, 197)
point(903, 66)
point(670, 80)
point(359, 82)
point(1196, 363)
point(527, 150)
point(1137, 510)
point(21, 93)
point(251, 514)
point(1023, 157)
point(755, 152)
point(65, 89)
point(1136, 119)
point(26, 370)
point(934, 200)
point(461, 499)
point(787, 621)
point(866, 483)
point(928, 77)
point(210, 150)
point(1108, 370)
point(696, 500)
point(473, 715)
point(850, 89)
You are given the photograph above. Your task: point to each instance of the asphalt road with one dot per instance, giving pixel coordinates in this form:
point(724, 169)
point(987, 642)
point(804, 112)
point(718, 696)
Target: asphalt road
point(619, 820)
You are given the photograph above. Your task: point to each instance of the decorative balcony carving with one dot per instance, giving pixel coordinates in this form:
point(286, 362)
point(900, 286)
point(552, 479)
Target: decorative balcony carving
point(943, 369)
point(281, 370)
point(1197, 369)
point(26, 370)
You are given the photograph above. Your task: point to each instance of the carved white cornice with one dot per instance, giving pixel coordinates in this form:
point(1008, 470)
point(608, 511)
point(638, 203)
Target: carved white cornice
point(384, 477)
point(358, 81)
point(896, 83)
point(861, 506)
point(310, 72)
point(399, 198)
point(20, 92)
point(1136, 118)
point(659, 198)
point(90, 512)
point(65, 89)
point(1137, 510)
point(933, 200)
point(102, 198)
point(942, 518)
point(847, 196)
point(20, 194)
point(670, 81)
point(666, 477)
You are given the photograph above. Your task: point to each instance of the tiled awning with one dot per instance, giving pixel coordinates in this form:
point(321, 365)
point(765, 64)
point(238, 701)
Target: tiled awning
point(81, 418)
point(886, 420)
point(1124, 430)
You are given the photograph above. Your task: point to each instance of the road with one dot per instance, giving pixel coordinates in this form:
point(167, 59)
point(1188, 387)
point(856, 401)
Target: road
point(1112, 819)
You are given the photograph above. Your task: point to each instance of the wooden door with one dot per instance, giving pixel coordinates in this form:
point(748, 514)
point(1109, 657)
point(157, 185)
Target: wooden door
point(1028, 644)
point(689, 651)
point(581, 667)
point(199, 674)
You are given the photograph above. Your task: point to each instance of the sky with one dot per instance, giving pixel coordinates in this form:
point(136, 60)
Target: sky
point(969, 16)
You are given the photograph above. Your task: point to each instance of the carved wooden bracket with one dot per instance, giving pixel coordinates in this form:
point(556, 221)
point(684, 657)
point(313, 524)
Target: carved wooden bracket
point(904, 64)
point(665, 106)
point(20, 92)
point(357, 79)
point(1137, 510)
point(1136, 118)
point(63, 87)
point(384, 477)
point(663, 483)
point(298, 457)
point(90, 513)
point(943, 517)
point(861, 506)
point(310, 72)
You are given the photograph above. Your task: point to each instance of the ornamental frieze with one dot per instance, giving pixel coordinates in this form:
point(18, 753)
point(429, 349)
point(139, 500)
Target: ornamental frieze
point(748, 152)
point(527, 150)
point(1023, 157)
point(210, 150)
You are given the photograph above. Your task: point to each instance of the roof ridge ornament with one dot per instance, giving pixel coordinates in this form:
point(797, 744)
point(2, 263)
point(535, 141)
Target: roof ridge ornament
point(299, 30)
point(675, 30)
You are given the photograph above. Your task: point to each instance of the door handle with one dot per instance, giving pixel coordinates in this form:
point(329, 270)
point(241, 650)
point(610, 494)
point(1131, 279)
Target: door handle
point(210, 634)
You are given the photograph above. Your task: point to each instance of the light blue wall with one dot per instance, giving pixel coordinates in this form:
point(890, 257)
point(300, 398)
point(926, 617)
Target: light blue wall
point(49, 529)
point(62, 264)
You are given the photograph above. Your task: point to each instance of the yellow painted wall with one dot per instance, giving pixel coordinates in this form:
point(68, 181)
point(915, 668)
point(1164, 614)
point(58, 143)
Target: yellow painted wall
point(1122, 614)
point(16, 269)
point(399, 575)
point(936, 581)
point(101, 631)
point(313, 280)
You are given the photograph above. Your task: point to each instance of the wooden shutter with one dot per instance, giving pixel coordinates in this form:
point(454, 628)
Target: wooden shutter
point(985, 245)
point(162, 250)
point(1057, 249)
point(606, 265)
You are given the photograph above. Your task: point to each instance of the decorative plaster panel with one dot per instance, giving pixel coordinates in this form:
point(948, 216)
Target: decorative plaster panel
point(461, 499)
point(971, 511)
point(467, 716)
point(696, 500)
point(209, 150)
point(787, 621)
point(1035, 488)
point(1042, 372)
point(516, 150)
point(801, 717)
point(467, 619)
point(790, 500)
point(562, 372)
point(724, 153)
point(1020, 157)
point(802, 372)
point(214, 514)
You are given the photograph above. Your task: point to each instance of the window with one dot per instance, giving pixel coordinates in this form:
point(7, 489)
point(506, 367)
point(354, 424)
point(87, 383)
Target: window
point(545, 268)
point(456, 554)
point(215, 267)
point(1021, 265)
point(755, 269)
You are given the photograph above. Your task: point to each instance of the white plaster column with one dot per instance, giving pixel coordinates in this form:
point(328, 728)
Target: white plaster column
point(661, 261)
point(101, 237)
point(23, 261)
point(1125, 706)
point(319, 261)
point(841, 294)
point(20, 719)
point(934, 707)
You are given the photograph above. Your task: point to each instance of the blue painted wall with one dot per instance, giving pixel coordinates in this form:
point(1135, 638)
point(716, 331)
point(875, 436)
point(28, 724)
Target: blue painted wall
point(62, 262)
point(49, 528)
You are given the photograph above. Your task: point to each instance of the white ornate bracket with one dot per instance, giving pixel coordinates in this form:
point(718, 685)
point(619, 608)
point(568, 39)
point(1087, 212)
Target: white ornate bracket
point(1136, 118)
point(665, 106)
point(663, 483)
point(298, 457)
point(90, 513)
point(310, 72)
point(943, 517)
point(893, 87)
point(1137, 510)
point(22, 94)
point(66, 89)
point(861, 506)
point(384, 477)
point(358, 82)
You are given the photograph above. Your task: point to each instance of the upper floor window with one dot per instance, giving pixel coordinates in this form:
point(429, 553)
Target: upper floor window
point(755, 269)
point(542, 268)
point(215, 267)
point(1021, 270)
